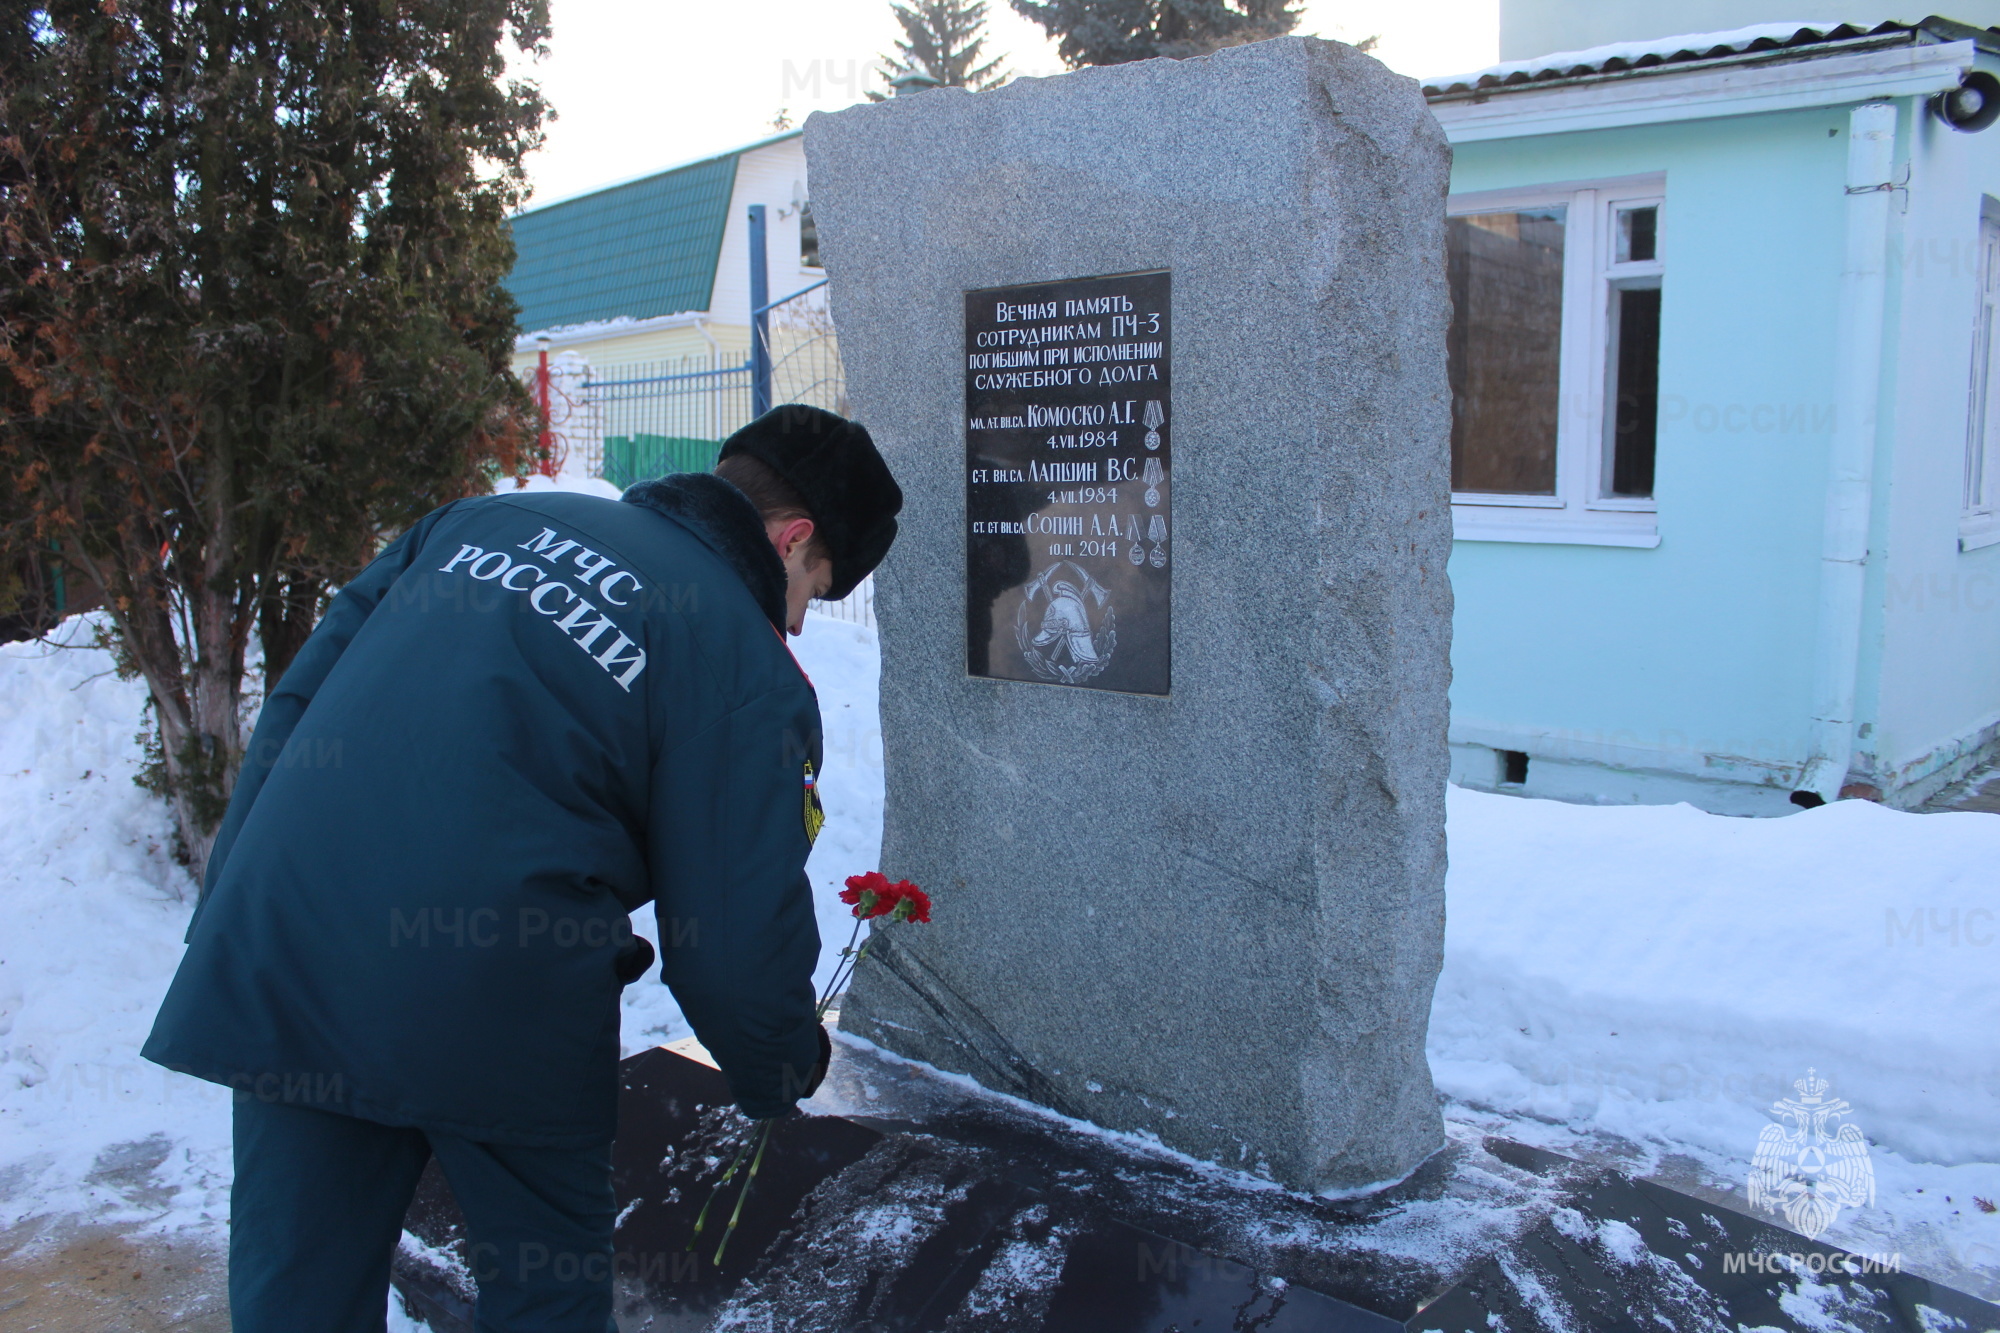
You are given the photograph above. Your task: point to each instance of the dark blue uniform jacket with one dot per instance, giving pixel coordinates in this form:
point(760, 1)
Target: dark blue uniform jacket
point(528, 717)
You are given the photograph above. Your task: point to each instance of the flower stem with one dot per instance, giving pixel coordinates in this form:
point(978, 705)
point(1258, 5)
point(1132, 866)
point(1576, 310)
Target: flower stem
point(839, 983)
point(763, 1140)
point(850, 958)
point(702, 1219)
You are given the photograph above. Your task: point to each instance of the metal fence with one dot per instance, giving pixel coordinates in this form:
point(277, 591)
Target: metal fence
point(672, 416)
point(800, 351)
point(638, 421)
point(667, 416)
point(857, 608)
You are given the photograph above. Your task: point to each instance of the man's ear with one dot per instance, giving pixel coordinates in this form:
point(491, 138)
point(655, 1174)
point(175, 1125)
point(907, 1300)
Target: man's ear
point(789, 534)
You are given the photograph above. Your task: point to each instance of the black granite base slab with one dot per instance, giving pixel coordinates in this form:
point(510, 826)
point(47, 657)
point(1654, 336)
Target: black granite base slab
point(677, 1132)
point(1119, 1279)
point(926, 1206)
point(1620, 1255)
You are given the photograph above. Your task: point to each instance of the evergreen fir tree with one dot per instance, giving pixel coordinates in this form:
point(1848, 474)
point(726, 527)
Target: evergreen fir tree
point(251, 319)
point(944, 39)
point(1112, 32)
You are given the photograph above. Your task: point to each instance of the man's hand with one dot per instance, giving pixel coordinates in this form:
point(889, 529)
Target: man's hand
point(825, 1060)
point(813, 1079)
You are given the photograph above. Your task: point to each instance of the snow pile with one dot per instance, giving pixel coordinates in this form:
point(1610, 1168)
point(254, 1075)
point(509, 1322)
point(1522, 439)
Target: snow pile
point(1662, 976)
point(1614, 962)
point(571, 478)
point(94, 908)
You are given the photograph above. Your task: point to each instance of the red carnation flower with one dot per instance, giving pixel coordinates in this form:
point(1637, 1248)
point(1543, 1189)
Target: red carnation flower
point(870, 895)
point(912, 903)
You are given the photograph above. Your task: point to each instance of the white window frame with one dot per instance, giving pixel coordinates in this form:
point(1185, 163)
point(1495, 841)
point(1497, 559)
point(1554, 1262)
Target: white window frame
point(1580, 512)
point(805, 270)
point(1979, 519)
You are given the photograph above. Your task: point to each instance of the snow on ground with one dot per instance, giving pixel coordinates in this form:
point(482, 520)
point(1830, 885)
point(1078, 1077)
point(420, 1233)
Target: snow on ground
point(92, 909)
point(572, 478)
point(843, 663)
point(1637, 983)
point(1657, 977)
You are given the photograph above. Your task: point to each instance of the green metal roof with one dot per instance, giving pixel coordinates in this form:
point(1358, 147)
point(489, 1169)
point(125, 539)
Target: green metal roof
point(644, 248)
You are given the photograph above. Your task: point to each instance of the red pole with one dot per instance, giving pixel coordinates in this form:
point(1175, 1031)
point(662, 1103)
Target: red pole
point(545, 441)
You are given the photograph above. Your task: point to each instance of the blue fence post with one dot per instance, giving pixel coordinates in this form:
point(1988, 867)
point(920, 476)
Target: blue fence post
point(760, 317)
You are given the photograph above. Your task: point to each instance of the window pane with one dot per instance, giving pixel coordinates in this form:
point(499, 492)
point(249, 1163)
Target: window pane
point(1638, 234)
point(1982, 409)
point(1635, 417)
point(808, 238)
point(1982, 443)
point(1504, 348)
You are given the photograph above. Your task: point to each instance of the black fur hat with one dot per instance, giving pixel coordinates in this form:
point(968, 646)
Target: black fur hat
point(833, 465)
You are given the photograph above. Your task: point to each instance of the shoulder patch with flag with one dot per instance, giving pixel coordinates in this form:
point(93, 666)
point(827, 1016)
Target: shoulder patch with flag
point(815, 813)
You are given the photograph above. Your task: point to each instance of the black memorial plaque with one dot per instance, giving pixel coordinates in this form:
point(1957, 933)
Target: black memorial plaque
point(1068, 488)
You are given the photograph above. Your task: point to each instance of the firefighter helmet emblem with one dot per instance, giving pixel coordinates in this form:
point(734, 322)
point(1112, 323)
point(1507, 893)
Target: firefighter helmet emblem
point(1066, 626)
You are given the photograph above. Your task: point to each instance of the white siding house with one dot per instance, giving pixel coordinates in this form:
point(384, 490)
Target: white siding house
point(637, 295)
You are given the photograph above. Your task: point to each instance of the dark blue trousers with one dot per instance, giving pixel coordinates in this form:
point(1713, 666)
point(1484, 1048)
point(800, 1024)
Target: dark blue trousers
point(317, 1210)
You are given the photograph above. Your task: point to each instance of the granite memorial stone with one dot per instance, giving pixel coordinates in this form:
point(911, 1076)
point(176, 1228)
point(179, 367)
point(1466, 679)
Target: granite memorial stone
point(1157, 352)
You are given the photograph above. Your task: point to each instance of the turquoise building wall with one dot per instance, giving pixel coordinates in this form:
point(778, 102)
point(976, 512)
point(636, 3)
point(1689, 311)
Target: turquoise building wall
point(1685, 672)
point(1931, 666)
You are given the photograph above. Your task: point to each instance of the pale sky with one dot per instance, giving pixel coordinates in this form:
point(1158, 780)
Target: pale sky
point(643, 84)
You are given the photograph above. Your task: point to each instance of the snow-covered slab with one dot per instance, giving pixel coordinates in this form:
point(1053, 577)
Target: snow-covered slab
point(908, 1198)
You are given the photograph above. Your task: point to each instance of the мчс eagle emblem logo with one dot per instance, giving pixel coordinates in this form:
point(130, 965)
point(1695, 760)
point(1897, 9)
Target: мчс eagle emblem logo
point(1811, 1170)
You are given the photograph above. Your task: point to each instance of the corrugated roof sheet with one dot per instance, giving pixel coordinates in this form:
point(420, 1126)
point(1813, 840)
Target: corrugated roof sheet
point(647, 247)
point(1765, 41)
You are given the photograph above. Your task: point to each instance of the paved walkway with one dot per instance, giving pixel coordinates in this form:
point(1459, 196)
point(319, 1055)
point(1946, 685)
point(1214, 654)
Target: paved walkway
point(58, 1277)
